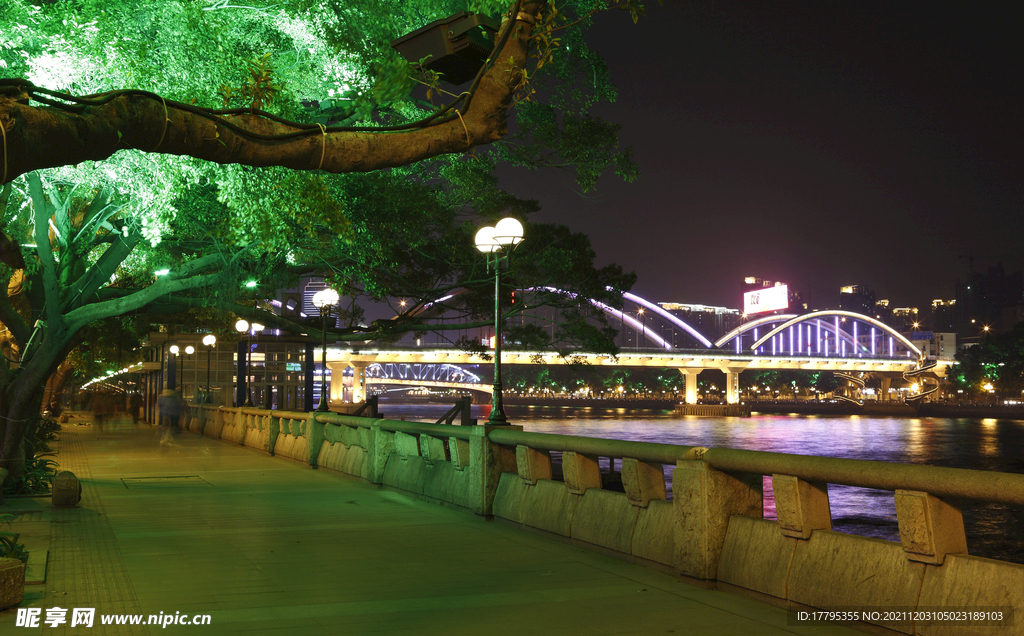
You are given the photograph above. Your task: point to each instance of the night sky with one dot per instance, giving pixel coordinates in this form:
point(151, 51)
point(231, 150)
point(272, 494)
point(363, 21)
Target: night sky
point(821, 144)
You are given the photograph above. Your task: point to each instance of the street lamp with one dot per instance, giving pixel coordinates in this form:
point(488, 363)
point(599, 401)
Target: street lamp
point(189, 350)
point(324, 300)
point(209, 340)
point(498, 241)
point(174, 352)
point(643, 327)
point(242, 326)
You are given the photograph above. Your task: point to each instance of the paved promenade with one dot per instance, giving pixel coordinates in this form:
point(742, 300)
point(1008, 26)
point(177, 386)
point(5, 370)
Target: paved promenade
point(266, 545)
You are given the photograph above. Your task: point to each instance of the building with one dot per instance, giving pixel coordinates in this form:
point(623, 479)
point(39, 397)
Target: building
point(712, 322)
point(905, 319)
point(858, 299)
point(944, 316)
point(883, 312)
point(934, 344)
point(988, 300)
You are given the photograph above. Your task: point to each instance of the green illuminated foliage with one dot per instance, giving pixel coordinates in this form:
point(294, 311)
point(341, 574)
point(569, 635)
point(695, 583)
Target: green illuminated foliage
point(160, 184)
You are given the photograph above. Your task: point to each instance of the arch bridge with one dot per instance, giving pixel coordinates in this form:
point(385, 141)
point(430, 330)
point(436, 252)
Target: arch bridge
point(830, 340)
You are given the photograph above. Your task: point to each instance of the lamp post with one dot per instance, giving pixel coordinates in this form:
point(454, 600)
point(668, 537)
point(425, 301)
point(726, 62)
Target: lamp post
point(242, 326)
point(173, 349)
point(324, 300)
point(497, 244)
point(643, 327)
point(189, 350)
point(209, 340)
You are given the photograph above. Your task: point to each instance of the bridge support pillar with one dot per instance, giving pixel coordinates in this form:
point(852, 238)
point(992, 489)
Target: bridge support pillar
point(886, 385)
point(336, 389)
point(691, 384)
point(358, 382)
point(732, 386)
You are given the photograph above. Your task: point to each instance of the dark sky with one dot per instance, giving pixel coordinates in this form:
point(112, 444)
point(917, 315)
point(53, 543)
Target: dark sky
point(821, 144)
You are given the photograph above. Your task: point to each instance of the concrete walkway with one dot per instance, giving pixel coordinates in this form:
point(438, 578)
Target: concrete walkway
point(266, 545)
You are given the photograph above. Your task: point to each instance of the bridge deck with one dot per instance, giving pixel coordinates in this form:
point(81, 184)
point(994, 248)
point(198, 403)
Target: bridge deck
point(268, 546)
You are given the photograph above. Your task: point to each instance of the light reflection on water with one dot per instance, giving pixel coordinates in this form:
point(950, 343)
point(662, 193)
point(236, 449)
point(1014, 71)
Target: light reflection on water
point(993, 531)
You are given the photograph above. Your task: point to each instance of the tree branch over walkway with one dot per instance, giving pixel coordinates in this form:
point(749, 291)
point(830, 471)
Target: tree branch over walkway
point(67, 131)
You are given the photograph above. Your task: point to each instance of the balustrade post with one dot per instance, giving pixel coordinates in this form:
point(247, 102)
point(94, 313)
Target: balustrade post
point(801, 506)
point(275, 430)
point(704, 499)
point(383, 446)
point(432, 449)
point(491, 460)
point(241, 421)
point(643, 481)
point(930, 528)
point(459, 451)
point(580, 472)
point(316, 433)
point(532, 464)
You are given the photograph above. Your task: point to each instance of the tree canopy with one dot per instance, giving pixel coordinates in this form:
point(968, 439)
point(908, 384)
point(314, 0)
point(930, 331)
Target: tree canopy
point(158, 154)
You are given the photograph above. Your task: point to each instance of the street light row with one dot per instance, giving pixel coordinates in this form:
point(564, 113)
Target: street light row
point(499, 240)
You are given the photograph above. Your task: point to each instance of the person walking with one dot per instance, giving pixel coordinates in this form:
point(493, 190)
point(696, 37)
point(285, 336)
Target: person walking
point(170, 412)
point(134, 404)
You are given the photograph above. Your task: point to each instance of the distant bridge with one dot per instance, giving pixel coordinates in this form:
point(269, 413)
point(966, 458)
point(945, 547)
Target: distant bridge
point(833, 340)
point(690, 363)
point(443, 375)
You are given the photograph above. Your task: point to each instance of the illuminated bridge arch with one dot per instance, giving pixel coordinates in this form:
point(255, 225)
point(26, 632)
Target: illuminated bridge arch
point(421, 372)
point(650, 334)
point(802, 335)
point(639, 327)
point(752, 327)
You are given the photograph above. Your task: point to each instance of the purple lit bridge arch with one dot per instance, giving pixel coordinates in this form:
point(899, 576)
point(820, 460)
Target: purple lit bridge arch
point(820, 333)
point(833, 340)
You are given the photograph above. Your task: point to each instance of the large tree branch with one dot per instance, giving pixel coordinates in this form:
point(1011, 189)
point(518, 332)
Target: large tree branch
point(43, 250)
point(101, 271)
point(45, 137)
point(82, 316)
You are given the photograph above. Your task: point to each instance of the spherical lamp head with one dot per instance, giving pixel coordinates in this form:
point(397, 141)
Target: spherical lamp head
point(174, 349)
point(242, 326)
point(257, 327)
point(325, 298)
point(485, 241)
point(209, 340)
point(189, 350)
point(508, 231)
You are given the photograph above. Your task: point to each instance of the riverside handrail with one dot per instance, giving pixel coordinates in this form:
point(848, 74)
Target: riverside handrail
point(1005, 488)
point(427, 428)
point(644, 451)
point(979, 485)
point(392, 426)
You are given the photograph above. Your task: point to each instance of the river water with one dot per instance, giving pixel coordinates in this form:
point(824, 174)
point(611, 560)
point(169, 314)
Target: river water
point(993, 530)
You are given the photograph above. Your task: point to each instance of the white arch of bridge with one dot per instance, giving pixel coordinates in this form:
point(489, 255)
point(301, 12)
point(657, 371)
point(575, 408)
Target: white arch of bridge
point(750, 326)
point(421, 372)
point(740, 331)
point(787, 321)
point(818, 315)
point(638, 326)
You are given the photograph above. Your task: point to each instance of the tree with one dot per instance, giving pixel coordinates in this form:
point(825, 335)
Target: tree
point(997, 360)
point(69, 129)
point(123, 206)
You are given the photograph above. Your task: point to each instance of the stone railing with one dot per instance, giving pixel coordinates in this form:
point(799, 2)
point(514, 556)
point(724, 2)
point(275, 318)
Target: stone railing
point(712, 528)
